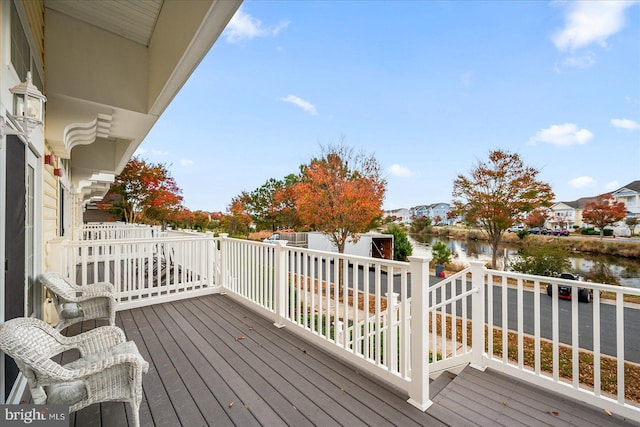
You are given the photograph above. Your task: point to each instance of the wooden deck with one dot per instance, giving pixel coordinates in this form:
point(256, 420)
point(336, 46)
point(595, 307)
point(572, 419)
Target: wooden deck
point(214, 362)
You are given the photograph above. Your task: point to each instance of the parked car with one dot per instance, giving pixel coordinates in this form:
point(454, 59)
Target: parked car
point(560, 232)
point(564, 291)
point(515, 229)
point(534, 230)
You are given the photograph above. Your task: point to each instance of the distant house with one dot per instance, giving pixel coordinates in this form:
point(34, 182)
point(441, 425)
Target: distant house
point(433, 211)
point(567, 214)
point(401, 216)
point(630, 196)
point(419, 211)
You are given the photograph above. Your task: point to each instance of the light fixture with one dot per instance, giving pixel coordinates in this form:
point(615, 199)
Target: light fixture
point(28, 104)
point(49, 159)
point(57, 172)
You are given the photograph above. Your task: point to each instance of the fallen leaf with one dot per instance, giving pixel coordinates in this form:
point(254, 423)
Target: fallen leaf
point(608, 412)
point(240, 338)
point(231, 404)
point(504, 402)
point(554, 413)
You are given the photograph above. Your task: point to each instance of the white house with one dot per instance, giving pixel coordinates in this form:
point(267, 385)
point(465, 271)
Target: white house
point(630, 196)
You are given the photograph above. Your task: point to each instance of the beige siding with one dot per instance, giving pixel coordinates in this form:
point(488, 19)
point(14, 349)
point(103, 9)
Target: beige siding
point(35, 14)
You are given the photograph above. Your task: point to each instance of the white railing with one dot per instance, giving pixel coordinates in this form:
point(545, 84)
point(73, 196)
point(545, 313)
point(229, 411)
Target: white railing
point(384, 315)
point(554, 343)
point(143, 271)
point(118, 230)
point(338, 302)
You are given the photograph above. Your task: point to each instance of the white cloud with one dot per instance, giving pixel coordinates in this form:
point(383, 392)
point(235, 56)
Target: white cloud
point(140, 151)
point(611, 186)
point(305, 105)
point(583, 182)
point(625, 124)
point(562, 135)
point(159, 152)
point(631, 100)
point(186, 162)
point(245, 27)
point(588, 22)
point(584, 61)
point(402, 171)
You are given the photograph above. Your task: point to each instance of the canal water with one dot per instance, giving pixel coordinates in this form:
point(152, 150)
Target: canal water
point(594, 268)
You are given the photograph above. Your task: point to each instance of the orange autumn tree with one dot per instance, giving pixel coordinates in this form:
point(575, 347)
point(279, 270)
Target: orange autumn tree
point(143, 193)
point(605, 210)
point(340, 194)
point(497, 193)
point(537, 218)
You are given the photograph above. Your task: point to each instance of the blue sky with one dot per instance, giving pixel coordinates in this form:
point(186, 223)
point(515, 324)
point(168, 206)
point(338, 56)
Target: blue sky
point(428, 87)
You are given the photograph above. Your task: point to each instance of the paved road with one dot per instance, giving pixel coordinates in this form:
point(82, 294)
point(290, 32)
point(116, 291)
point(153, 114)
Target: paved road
point(608, 343)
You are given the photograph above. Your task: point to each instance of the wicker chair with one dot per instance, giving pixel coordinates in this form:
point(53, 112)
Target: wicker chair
point(109, 368)
point(78, 303)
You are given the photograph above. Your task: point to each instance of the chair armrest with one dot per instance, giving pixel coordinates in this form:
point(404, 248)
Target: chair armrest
point(95, 340)
point(64, 374)
point(85, 295)
point(102, 287)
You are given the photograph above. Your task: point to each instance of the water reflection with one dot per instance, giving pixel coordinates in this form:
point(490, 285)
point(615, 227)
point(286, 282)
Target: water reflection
point(595, 268)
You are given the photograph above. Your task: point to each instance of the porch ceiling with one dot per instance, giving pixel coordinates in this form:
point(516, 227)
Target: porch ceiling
point(111, 69)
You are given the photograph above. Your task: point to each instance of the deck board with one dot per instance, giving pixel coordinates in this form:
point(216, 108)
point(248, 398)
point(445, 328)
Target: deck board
point(334, 377)
point(215, 362)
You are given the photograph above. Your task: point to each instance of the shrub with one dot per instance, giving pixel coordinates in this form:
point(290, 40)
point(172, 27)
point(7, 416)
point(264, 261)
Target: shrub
point(401, 246)
point(441, 255)
point(541, 260)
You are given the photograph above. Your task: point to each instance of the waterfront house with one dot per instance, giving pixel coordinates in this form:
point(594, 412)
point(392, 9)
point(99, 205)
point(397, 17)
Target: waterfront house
point(630, 196)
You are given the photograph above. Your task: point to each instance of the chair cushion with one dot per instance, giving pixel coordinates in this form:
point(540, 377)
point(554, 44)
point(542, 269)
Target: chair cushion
point(66, 393)
point(128, 347)
point(71, 310)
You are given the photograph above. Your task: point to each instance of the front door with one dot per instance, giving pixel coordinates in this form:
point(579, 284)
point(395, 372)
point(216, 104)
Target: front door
point(15, 242)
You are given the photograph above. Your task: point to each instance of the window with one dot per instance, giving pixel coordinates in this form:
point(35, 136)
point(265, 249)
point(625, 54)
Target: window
point(21, 58)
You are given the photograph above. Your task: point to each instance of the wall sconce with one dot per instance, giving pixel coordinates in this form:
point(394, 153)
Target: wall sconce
point(28, 104)
point(49, 159)
point(57, 172)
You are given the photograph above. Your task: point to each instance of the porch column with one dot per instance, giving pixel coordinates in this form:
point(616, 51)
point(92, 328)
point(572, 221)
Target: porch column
point(419, 388)
point(280, 285)
point(477, 316)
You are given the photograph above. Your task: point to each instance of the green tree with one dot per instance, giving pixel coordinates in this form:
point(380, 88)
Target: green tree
point(272, 206)
point(497, 193)
point(441, 254)
point(401, 245)
point(541, 260)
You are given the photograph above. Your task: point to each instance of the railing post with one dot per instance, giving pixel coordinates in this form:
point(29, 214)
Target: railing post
point(280, 282)
point(392, 327)
point(224, 253)
point(477, 316)
point(419, 388)
point(210, 258)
